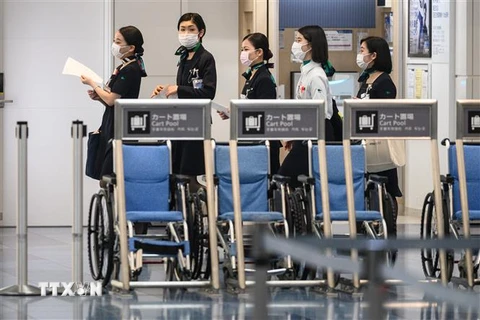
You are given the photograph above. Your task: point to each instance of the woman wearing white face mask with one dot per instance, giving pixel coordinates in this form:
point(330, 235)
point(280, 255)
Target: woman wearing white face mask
point(382, 156)
point(123, 84)
point(196, 79)
point(259, 83)
point(311, 48)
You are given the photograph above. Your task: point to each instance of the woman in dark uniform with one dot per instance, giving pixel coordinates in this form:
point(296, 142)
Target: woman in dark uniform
point(375, 83)
point(123, 84)
point(259, 83)
point(196, 79)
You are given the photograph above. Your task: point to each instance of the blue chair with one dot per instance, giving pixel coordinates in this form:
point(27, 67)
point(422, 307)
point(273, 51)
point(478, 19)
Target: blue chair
point(256, 206)
point(153, 194)
point(306, 201)
point(452, 212)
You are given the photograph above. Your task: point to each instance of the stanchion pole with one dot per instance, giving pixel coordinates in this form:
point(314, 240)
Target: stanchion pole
point(347, 158)
point(261, 256)
point(212, 228)
point(462, 179)
point(78, 133)
point(437, 190)
point(22, 288)
point(237, 209)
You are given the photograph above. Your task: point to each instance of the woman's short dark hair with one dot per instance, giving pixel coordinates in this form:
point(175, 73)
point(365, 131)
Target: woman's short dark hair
point(133, 37)
point(197, 20)
point(260, 41)
point(317, 39)
point(378, 45)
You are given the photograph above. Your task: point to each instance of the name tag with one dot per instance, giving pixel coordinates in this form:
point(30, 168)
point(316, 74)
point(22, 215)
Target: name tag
point(197, 83)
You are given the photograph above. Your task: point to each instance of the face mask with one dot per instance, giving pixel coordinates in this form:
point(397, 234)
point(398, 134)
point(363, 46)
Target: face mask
point(244, 58)
point(116, 51)
point(297, 50)
point(361, 63)
point(188, 40)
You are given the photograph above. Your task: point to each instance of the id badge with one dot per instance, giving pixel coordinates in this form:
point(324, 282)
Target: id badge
point(197, 83)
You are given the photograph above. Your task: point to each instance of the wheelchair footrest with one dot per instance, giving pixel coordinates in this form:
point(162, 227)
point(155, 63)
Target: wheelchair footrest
point(161, 247)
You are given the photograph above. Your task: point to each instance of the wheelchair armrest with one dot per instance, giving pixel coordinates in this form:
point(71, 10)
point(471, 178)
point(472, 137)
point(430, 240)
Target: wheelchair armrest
point(305, 179)
point(446, 142)
point(281, 179)
point(180, 178)
point(377, 178)
point(446, 179)
point(110, 179)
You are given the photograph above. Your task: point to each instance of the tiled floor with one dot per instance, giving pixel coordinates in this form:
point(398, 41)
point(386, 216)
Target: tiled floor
point(49, 259)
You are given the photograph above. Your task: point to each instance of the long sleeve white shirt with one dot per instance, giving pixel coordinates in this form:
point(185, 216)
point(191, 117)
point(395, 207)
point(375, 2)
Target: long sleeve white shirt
point(313, 84)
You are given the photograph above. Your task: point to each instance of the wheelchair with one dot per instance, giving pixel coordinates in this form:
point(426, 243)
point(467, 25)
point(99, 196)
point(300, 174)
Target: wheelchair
point(452, 213)
point(373, 205)
point(153, 195)
point(257, 204)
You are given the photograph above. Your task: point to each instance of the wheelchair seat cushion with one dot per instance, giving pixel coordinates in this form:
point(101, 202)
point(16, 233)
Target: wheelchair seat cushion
point(473, 215)
point(254, 216)
point(359, 215)
point(157, 216)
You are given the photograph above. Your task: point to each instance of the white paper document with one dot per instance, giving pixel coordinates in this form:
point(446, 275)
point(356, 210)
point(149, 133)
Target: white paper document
point(163, 95)
point(75, 68)
point(220, 108)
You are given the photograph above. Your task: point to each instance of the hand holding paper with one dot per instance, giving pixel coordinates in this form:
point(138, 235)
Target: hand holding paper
point(222, 110)
point(75, 68)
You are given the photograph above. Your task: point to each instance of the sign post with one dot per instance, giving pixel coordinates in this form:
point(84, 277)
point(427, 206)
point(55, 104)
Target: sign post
point(393, 119)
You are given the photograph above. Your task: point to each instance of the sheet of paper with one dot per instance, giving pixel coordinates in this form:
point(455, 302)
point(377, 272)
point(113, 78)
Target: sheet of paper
point(163, 95)
point(220, 108)
point(75, 68)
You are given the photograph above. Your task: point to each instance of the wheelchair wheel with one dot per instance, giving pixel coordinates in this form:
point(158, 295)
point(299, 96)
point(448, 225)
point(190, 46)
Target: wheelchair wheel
point(95, 226)
point(101, 238)
point(301, 225)
point(428, 230)
point(197, 236)
point(390, 210)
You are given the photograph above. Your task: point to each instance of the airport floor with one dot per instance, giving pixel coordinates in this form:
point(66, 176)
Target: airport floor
point(49, 259)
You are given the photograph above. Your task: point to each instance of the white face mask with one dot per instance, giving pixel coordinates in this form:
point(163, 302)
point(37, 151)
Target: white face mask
point(297, 51)
point(188, 40)
point(116, 50)
point(361, 62)
point(244, 59)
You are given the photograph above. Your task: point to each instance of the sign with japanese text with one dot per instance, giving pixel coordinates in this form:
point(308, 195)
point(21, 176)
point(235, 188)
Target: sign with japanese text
point(282, 123)
point(396, 122)
point(468, 119)
point(168, 123)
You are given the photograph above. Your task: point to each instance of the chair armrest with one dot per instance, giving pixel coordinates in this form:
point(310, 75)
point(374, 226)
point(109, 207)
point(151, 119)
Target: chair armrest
point(305, 179)
point(375, 178)
point(110, 179)
point(446, 179)
point(281, 179)
point(180, 178)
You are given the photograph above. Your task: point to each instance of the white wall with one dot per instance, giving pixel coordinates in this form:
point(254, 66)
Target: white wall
point(1, 118)
point(468, 43)
point(39, 36)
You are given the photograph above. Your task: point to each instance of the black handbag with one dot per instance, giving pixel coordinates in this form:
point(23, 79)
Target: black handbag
point(337, 122)
point(94, 156)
